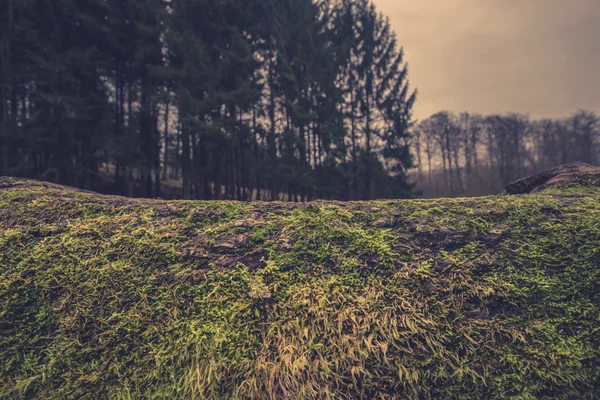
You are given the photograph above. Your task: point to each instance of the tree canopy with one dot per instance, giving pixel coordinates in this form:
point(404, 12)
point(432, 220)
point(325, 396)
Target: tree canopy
point(237, 99)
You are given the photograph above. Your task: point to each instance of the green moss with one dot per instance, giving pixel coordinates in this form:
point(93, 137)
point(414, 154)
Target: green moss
point(106, 297)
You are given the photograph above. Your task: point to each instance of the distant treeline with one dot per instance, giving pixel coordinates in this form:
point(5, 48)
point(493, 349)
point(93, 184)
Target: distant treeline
point(471, 154)
point(234, 99)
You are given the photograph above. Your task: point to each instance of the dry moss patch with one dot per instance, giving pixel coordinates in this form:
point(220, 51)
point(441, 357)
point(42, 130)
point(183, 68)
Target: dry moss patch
point(485, 298)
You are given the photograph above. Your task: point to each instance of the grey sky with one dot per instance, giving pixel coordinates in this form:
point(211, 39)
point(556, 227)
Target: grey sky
point(537, 57)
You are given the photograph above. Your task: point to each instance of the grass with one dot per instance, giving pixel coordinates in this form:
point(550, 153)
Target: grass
point(104, 297)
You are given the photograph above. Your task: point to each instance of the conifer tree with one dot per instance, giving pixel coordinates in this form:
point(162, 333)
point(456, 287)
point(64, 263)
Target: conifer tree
point(253, 99)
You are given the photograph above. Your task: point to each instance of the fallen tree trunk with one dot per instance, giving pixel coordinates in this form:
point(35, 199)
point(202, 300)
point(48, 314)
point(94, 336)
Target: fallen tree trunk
point(573, 174)
point(108, 297)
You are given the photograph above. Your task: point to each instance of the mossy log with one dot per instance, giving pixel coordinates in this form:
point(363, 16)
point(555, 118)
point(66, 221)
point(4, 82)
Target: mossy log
point(104, 297)
point(572, 174)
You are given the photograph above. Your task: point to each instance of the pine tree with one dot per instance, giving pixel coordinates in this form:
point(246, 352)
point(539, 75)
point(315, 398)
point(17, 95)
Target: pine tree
point(302, 99)
point(377, 100)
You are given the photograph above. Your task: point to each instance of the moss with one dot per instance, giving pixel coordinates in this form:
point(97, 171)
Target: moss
point(106, 297)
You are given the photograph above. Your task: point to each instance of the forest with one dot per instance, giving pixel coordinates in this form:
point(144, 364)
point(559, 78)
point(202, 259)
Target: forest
point(277, 104)
point(246, 100)
point(470, 154)
point(235, 99)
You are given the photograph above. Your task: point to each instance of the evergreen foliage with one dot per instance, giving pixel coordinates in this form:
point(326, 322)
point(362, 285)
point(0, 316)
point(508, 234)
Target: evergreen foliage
point(252, 99)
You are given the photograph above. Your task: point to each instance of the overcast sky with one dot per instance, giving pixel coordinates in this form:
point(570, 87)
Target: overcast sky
point(537, 57)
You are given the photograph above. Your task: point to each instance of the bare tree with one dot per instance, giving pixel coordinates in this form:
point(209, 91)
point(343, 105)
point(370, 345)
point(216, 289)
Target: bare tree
point(472, 127)
point(417, 136)
point(428, 133)
point(583, 126)
point(514, 146)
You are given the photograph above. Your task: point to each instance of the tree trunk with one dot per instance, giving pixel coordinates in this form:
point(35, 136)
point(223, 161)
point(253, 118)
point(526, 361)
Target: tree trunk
point(166, 141)
point(354, 147)
point(155, 151)
point(185, 162)
point(272, 150)
point(257, 162)
point(368, 184)
point(5, 78)
point(203, 155)
point(449, 158)
point(177, 159)
point(145, 138)
point(238, 159)
point(419, 161)
point(444, 162)
point(429, 167)
point(457, 169)
point(467, 151)
point(217, 174)
point(119, 124)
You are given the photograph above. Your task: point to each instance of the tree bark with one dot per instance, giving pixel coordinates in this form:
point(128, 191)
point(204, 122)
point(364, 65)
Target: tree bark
point(257, 162)
point(217, 174)
point(5, 77)
point(272, 150)
point(166, 141)
point(185, 162)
